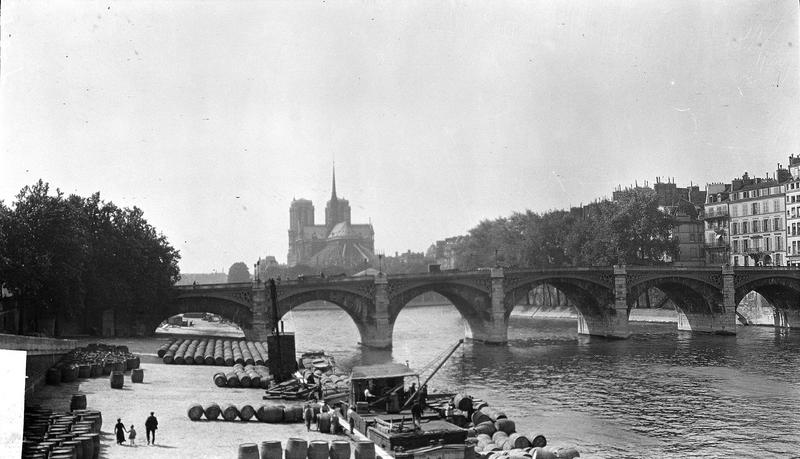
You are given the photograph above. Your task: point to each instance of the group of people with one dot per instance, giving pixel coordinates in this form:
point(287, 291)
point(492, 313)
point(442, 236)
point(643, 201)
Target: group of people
point(308, 414)
point(150, 426)
point(417, 398)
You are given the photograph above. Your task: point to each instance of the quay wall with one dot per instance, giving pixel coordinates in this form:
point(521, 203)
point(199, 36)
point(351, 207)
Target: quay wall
point(41, 354)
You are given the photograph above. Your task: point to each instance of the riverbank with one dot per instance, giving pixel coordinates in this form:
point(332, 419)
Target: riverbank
point(168, 390)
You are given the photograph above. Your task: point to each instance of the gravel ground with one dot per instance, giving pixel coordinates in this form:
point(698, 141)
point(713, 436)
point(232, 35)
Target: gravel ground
point(168, 390)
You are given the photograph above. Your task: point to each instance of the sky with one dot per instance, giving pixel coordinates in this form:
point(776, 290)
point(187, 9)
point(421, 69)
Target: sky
point(211, 116)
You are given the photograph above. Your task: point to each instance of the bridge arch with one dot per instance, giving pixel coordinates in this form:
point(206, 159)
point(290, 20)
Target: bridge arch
point(358, 306)
point(782, 290)
point(236, 310)
point(470, 300)
point(690, 295)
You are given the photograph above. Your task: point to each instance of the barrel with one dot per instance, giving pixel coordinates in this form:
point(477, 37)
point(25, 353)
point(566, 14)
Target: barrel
point(69, 373)
point(108, 367)
point(84, 371)
point(76, 445)
point(233, 380)
point(97, 370)
point(516, 441)
point(248, 451)
point(119, 366)
point(499, 438)
point(537, 440)
point(195, 412)
point(340, 449)
point(271, 414)
point(220, 380)
point(271, 449)
point(87, 444)
point(293, 414)
point(53, 376)
point(543, 452)
point(117, 379)
point(479, 417)
point(296, 448)
point(505, 425)
point(365, 450)
point(462, 402)
point(78, 402)
point(318, 449)
point(230, 412)
point(212, 411)
point(137, 375)
point(486, 427)
point(324, 422)
point(246, 412)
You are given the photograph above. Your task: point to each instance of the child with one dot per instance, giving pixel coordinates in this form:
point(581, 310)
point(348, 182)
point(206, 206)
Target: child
point(132, 436)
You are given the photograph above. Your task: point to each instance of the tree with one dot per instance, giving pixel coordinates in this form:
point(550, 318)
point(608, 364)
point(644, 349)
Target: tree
point(238, 272)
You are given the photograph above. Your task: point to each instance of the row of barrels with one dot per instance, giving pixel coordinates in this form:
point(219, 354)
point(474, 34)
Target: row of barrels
point(299, 448)
point(92, 361)
point(212, 351)
point(59, 435)
point(254, 376)
point(328, 422)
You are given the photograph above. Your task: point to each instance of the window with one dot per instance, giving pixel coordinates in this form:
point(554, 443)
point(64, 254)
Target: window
point(735, 228)
point(692, 237)
point(778, 243)
point(735, 261)
point(766, 243)
point(736, 246)
point(755, 226)
point(744, 228)
point(765, 225)
point(777, 224)
point(755, 208)
point(778, 261)
point(734, 211)
point(745, 243)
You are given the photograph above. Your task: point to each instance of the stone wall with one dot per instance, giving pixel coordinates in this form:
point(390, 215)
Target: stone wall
point(42, 353)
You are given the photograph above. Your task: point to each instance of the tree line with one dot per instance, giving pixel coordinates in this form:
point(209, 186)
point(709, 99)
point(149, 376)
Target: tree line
point(632, 230)
point(68, 259)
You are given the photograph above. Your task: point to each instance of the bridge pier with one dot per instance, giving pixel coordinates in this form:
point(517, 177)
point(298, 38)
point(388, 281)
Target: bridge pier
point(721, 322)
point(613, 321)
point(494, 330)
point(377, 332)
point(262, 307)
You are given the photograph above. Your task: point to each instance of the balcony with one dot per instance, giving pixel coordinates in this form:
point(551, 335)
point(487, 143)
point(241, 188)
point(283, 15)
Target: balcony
point(716, 246)
point(710, 215)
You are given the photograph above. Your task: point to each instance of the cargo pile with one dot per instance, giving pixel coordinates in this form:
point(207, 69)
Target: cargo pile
point(52, 434)
point(253, 376)
point(494, 436)
point(92, 361)
point(298, 448)
point(211, 351)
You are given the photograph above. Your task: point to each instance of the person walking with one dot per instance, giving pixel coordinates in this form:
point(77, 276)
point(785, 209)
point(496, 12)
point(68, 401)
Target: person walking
point(150, 427)
point(119, 429)
point(132, 436)
point(308, 415)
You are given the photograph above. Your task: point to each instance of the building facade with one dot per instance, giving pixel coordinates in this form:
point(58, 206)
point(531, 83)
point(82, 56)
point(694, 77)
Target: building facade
point(792, 189)
point(716, 218)
point(337, 243)
point(758, 223)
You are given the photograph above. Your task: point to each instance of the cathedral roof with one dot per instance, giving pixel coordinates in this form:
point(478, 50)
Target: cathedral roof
point(343, 230)
point(343, 252)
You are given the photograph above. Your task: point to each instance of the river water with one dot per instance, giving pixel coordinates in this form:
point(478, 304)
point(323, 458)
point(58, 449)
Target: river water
point(659, 394)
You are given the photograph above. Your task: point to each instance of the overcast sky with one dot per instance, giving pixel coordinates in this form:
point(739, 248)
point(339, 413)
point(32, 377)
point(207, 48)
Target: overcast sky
point(211, 116)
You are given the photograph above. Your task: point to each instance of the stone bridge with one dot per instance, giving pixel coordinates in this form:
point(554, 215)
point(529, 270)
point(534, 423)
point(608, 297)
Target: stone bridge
point(706, 298)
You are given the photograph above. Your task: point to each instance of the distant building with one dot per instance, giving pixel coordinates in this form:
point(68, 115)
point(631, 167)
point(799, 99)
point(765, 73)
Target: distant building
point(444, 252)
point(336, 243)
point(792, 189)
point(758, 225)
point(717, 220)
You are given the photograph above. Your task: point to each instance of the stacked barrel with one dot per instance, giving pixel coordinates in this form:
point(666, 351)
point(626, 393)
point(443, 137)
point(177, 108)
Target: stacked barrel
point(272, 414)
point(214, 351)
point(92, 361)
point(47, 433)
point(253, 376)
point(496, 436)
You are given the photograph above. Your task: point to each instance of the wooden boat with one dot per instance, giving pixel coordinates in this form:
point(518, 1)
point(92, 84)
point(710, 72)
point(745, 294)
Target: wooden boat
point(386, 420)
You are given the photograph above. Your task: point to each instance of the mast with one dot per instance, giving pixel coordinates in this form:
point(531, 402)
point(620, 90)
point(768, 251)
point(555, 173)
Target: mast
point(419, 389)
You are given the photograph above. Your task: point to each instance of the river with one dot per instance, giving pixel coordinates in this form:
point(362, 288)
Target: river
point(659, 394)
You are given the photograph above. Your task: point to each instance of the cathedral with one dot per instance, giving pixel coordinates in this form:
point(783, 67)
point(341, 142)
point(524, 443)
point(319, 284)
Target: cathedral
point(336, 243)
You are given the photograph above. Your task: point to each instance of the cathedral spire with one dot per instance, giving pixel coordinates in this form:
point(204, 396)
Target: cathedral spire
point(333, 188)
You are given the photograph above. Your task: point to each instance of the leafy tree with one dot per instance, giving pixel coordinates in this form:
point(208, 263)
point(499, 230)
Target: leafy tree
point(239, 272)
